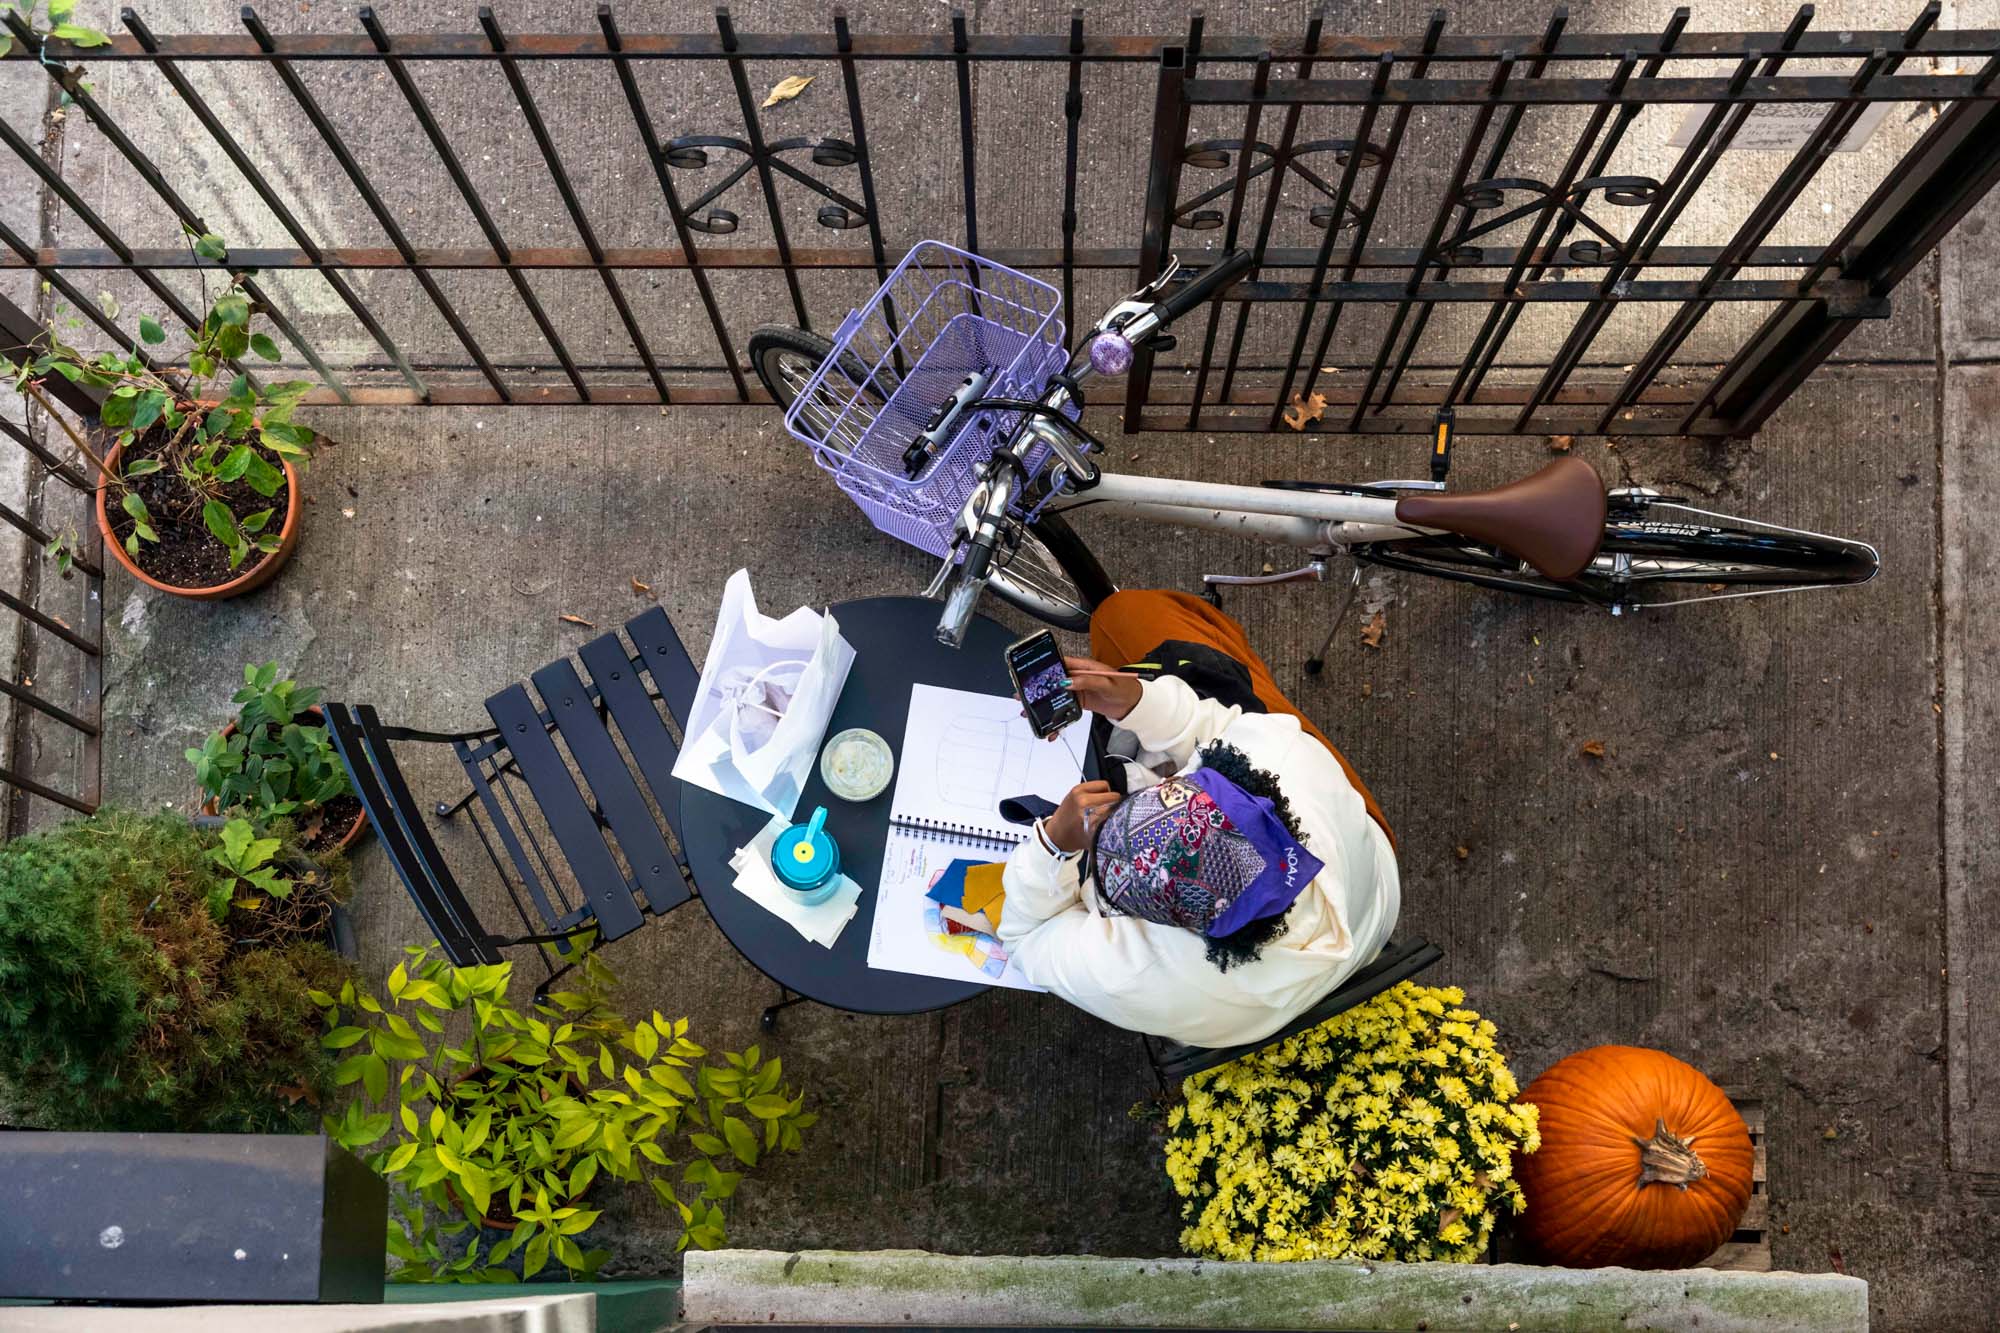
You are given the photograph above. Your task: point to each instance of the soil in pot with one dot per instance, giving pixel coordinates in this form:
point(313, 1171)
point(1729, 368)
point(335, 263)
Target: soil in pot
point(187, 554)
point(326, 828)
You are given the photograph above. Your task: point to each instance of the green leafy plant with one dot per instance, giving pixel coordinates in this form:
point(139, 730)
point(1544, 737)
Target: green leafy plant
point(58, 25)
point(517, 1124)
point(204, 427)
point(245, 861)
point(278, 760)
point(125, 1004)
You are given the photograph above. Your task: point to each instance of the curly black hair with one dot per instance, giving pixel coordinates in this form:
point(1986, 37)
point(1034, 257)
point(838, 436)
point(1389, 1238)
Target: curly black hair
point(1245, 945)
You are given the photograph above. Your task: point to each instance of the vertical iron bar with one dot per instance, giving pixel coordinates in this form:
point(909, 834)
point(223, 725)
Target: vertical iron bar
point(636, 101)
point(966, 144)
point(525, 100)
point(1834, 250)
point(338, 147)
point(1558, 195)
point(1954, 166)
point(89, 217)
point(1260, 84)
point(1170, 121)
point(1770, 208)
point(1627, 113)
point(1279, 166)
point(1494, 157)
point(273, 201)
point(1366, 222)
point(67, 290)
point(762, 157)
point(453, 168)
point(1073, 120)
point(850, 79)
point(1710, 141)
point(1449, 201)
point(1385, 65)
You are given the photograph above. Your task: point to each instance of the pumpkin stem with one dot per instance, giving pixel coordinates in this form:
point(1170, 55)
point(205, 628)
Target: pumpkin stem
point(1668, 1159)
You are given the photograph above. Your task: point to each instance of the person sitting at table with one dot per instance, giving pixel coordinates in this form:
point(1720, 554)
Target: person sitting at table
point(1216, 904)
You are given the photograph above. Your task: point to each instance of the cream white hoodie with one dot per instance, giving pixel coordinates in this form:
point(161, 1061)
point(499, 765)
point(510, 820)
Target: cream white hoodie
point(1156, 979)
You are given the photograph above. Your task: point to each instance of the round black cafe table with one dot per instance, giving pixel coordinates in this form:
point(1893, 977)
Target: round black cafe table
point(893, 650)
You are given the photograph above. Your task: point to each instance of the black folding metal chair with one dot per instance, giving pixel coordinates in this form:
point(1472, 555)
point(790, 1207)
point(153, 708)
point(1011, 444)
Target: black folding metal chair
point(1173, 1062)
point(623, 863)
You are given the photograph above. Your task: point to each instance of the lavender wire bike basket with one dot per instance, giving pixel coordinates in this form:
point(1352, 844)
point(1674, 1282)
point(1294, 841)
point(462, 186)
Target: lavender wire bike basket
point(942, 315)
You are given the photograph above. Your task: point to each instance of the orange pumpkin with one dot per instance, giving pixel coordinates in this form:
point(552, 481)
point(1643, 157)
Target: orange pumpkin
point(1643, 1163)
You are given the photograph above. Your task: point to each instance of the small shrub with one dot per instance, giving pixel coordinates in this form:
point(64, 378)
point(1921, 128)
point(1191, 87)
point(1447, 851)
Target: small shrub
point(1388, 1132)
point(535, 1108)
point(125, 1004)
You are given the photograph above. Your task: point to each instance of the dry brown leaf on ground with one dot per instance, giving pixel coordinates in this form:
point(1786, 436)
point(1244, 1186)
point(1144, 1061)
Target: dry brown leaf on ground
point(1371, 633)
point(641, 589)
point(1447, 1217)
point(1464, 852)
point(788, 88)
point(1302, 410)
point(1561, 444)
point(567, 618)
point(1594, 749)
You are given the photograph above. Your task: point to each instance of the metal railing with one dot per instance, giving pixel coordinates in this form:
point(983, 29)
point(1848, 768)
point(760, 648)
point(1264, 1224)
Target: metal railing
point(1564, 250)
point(1508, 230)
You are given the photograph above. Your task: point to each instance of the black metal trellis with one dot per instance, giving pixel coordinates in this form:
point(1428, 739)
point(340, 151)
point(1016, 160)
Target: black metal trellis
point(1501, 235)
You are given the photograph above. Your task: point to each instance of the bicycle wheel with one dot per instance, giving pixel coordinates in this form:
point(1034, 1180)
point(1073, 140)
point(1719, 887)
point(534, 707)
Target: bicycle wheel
point(1052, 575)
point(785, 359)
point(1658, 551)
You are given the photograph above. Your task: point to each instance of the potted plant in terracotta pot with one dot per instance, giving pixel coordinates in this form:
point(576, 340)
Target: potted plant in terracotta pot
point(274, 759)
point(197, 463)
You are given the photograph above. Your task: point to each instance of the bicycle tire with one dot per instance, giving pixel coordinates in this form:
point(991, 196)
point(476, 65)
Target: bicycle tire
point(771, 345)
point(1088, 584)
point(1657, 551)
point(1057, 554)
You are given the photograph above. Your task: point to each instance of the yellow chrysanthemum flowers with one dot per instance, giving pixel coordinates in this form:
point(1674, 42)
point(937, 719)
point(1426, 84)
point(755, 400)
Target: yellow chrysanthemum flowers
point(1385, 1133)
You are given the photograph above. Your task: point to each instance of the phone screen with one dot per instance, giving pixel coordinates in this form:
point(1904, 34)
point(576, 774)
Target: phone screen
point(1037, 668)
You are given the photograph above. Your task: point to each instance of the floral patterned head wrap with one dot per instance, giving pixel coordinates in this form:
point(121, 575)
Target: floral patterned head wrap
point(1199, 852)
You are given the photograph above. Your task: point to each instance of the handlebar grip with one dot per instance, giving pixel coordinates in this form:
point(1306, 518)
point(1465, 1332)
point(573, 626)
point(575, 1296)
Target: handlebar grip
point(964, 595)
point(1214, 279)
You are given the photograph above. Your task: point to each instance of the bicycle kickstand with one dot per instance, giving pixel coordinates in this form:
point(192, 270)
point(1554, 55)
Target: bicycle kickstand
point(1317, 662)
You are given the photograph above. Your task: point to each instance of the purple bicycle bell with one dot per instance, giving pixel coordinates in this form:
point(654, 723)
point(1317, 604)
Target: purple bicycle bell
point(1110, 353)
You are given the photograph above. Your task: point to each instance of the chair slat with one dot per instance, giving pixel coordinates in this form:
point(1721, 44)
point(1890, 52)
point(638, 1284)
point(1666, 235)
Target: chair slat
point(618, 796)
point(666, 660)
point(576, 831)
point(369, 760)
point(646, 735)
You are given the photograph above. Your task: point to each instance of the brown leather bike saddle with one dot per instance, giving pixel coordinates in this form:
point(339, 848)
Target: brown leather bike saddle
point(1554, 520)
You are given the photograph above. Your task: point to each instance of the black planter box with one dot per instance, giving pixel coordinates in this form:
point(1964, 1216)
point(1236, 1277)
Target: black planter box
point(189, 1217)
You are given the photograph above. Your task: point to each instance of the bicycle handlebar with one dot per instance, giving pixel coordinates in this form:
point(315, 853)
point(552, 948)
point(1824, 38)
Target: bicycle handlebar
point(1214, 279)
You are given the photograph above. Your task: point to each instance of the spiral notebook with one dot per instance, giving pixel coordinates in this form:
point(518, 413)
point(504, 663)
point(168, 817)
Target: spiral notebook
point(963, 753)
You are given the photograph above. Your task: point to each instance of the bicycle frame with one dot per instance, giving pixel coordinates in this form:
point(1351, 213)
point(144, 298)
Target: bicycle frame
point(1316, 520)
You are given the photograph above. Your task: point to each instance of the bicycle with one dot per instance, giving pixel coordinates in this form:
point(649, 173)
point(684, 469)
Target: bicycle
point(948, 408)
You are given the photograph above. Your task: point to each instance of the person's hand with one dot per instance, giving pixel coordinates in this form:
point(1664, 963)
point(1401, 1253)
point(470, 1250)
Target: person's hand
point(1102, 689)
point(1075, 821)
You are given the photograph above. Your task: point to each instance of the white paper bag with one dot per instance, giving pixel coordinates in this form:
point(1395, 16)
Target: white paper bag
point(752, 661)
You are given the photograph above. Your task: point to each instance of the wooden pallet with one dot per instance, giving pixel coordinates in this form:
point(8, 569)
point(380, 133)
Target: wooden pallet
point(1749, 1250)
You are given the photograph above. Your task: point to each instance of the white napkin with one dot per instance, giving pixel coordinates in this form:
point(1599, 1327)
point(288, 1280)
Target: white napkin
point(755, 880)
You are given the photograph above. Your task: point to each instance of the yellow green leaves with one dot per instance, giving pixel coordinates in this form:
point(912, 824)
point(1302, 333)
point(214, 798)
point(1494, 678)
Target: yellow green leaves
point(742, 1142)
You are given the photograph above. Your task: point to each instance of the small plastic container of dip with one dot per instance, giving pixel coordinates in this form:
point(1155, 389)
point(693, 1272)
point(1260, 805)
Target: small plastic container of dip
point(857, 765)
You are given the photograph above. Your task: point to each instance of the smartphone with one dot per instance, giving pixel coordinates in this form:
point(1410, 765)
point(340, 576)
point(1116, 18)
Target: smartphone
point(1040, 683)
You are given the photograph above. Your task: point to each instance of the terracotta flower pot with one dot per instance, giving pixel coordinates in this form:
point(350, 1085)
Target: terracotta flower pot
point(354, 831)
point(256, 576)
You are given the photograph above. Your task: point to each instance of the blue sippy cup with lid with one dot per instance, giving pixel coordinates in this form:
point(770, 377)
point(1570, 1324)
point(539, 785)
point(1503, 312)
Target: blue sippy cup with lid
point(807, 860)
